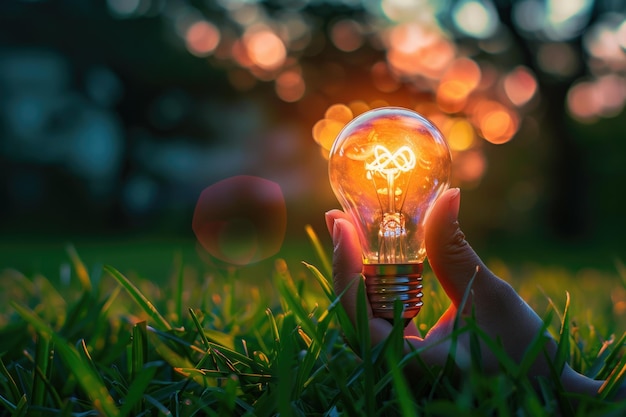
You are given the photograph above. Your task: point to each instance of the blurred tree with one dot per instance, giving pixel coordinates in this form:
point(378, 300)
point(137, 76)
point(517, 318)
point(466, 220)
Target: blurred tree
point(185, 91)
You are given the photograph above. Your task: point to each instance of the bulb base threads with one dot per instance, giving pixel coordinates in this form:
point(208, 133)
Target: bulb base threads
point(386, 283)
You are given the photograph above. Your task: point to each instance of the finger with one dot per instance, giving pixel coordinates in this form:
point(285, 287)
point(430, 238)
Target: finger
point(347, 263)
point(451, 258)
point(333, 215)
point(347, 273)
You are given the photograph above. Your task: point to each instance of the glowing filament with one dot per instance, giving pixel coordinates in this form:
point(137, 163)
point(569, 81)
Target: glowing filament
point(391, 164)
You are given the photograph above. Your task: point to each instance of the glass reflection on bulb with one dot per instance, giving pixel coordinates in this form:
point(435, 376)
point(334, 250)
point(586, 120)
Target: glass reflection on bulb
point(387, 167)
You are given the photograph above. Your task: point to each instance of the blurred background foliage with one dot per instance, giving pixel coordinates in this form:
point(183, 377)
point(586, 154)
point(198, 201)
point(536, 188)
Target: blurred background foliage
point(116, 114)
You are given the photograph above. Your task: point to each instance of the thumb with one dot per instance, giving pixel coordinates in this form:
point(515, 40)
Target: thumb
point(451, 258)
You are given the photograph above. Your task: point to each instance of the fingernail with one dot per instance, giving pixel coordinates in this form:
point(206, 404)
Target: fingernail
point(330, 222)
point(455, 204)
point(336, 234)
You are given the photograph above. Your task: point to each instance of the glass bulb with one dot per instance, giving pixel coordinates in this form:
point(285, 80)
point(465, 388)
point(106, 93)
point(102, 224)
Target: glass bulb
point(387, 167)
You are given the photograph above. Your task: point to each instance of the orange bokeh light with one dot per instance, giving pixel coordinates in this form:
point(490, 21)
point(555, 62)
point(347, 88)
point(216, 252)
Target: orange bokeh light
point(265, 49)
point(202, 38)
point(520, 86)
point(460, 135)
point(409, 38)
point(497, 126)
point(465, 71)
point(290, 86)
point(604, 97)
point(346, 35)
point(416, 50)
point(240, 54)
point(459, 80)
point(581, 101)
point(383, 79)
point(325, 131)
point(339, 112)
point(452, 96)
point(496, 123)
point(470, 166)
point(358, 107)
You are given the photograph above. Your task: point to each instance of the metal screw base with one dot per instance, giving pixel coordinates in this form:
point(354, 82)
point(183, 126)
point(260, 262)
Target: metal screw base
point(386, 283)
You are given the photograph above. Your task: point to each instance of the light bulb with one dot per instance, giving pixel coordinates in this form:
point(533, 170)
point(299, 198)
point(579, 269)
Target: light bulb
point(387, 167)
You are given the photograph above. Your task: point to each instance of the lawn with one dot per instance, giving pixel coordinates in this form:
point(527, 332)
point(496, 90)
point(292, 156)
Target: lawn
point(158, 331)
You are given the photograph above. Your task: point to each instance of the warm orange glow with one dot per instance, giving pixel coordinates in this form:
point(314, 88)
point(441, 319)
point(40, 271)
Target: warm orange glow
point(409, 38)
point(202, 38)
point(404, 63)
point(437, 57)
point(605, 97)
point(520, 86)
point(428, 109)
point(325, 131)
point(458, 81)
point(581, 101)
point(383, 79)
point(339, 112)
point(358, 106)
point(386, 166)
point(415, 50)
point(290, 86)
point(240, 54)
point(496, 123)
point(470, 166)
point(611, 92)
point(460, 135)
point(265, 48)
point(346, 35)
point(452, 96)
point(497, 126)
point(378, 103)
point(465, 71)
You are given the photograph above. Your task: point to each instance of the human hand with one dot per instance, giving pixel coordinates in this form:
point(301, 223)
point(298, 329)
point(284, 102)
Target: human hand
point(495, 306)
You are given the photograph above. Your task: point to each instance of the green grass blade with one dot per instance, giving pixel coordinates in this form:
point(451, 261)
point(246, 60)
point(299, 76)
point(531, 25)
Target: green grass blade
point(199, 328)
point(611, 359)
point(139, 298)
point(83, 352)
point(89, 381)
point(564, 344)
point(274, 330)
point(137, 389)
point(139, 348)
point(13, 388)
point(21, 409)
point(7, 404)
point(348, 328)
point(319, 249)
point(322, 281)
point(79, 267)
point(284, 366)
point(43, 367)
point(401, 386)
point(180, 284)
point(365, 345)
point(614, 382)
point(178, 362)
point(294, 305)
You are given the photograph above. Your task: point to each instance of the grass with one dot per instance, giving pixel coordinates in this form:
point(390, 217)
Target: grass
point(217, 341)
